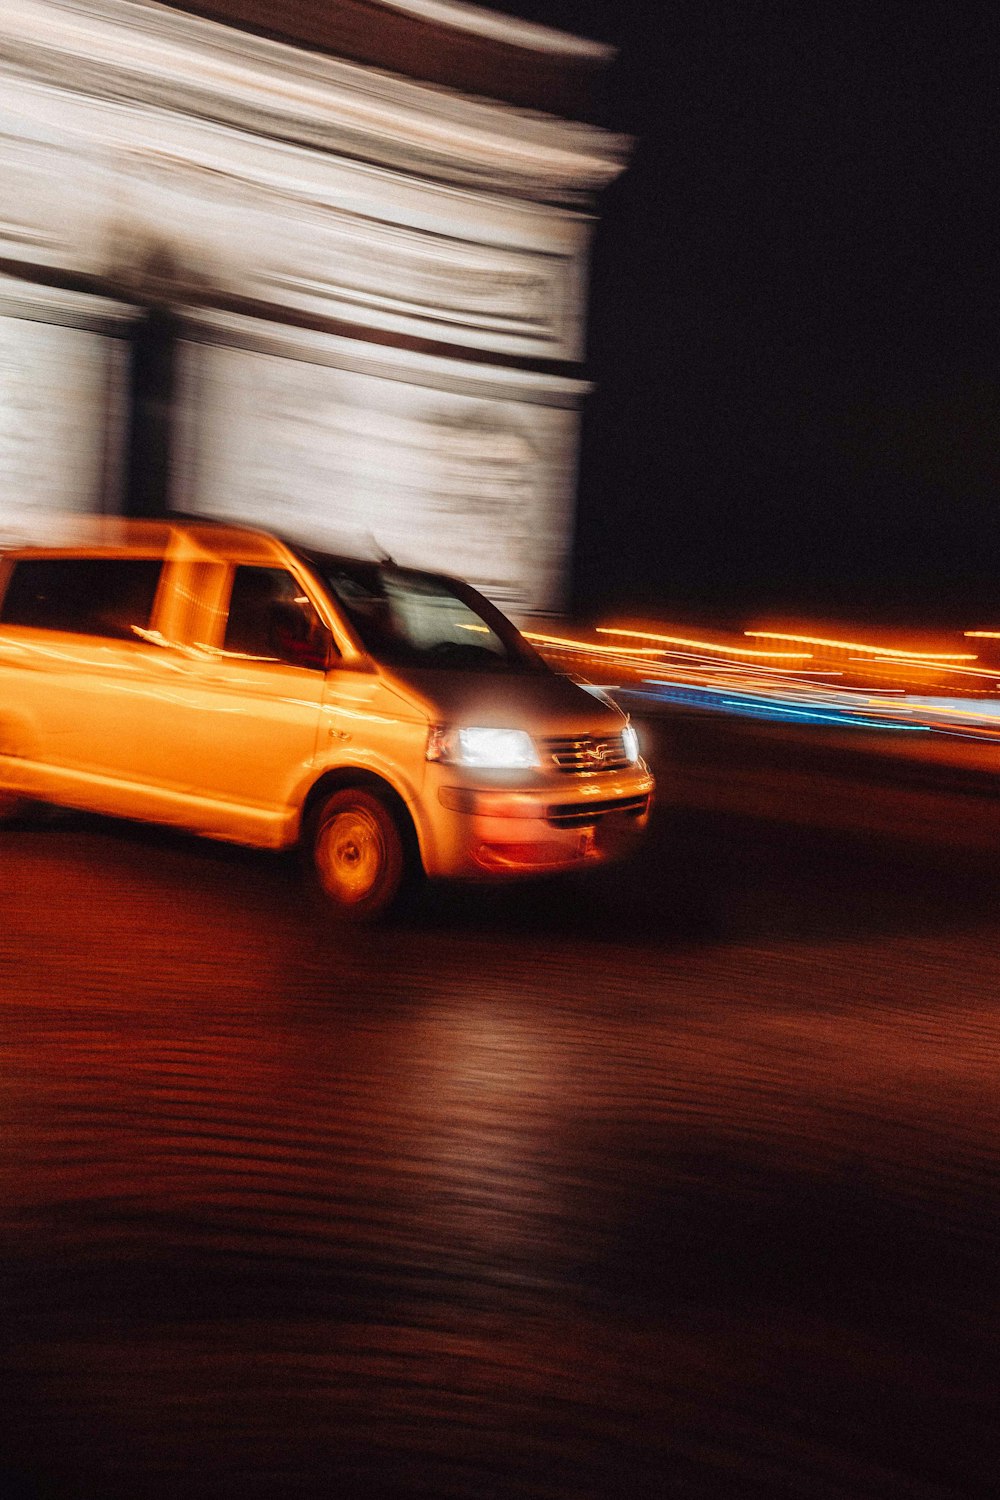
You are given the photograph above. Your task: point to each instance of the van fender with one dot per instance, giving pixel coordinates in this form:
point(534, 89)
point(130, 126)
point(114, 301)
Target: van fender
point(370, 771)
point(18, 738)
point(18, 762)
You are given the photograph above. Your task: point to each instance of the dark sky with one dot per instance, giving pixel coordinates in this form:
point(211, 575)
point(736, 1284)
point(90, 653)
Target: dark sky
point(794, 313)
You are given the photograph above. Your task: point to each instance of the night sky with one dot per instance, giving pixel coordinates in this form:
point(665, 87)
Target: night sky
point(794, 314)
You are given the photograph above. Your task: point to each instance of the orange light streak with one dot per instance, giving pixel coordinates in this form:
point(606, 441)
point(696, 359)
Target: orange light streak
point(895, 652)
point(931, 711)
point(711, 646)
point(904, 661)
point(572, 645)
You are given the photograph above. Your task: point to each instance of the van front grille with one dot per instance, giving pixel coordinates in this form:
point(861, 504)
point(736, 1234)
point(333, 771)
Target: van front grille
point(588, 752)
point(578, 814)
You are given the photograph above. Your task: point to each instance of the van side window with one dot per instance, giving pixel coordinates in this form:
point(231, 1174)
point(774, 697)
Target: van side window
point(105, 596)
point(272, 620)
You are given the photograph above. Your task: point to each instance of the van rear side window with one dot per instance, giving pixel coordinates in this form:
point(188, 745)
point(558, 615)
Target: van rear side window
point(103, 596)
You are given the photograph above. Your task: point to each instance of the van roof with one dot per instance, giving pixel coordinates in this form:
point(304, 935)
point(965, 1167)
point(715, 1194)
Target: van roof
point(77, 533)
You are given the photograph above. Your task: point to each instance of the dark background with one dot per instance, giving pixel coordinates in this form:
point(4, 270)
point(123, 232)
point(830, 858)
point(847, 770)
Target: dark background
point(793, 321)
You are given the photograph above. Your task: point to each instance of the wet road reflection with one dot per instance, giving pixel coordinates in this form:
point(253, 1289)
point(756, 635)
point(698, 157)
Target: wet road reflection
point(684, 1185)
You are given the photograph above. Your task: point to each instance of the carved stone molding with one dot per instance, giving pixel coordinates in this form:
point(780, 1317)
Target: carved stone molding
point(386, 362)
point(444, 42)
point(149, 55)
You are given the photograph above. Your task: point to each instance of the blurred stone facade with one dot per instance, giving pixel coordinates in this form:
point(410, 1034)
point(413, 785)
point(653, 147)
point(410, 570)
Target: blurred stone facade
point(375, 284)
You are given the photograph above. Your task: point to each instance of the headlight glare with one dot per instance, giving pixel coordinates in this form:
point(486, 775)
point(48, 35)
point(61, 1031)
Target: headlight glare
point(630, 744)
point(487, 749)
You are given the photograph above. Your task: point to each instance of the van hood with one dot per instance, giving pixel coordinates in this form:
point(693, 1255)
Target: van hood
point(543, 703)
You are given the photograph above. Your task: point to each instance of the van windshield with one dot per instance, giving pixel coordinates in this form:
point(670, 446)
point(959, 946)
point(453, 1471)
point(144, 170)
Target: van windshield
point(407, 618)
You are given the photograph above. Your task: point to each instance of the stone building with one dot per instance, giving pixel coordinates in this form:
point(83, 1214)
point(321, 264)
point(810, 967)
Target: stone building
point(331, 281)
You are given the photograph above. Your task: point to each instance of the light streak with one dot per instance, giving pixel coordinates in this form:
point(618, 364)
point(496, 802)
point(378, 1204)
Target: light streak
point(712, 646)
point(807, 714)
point(944, 667)
point(574, 645)
point(709, 676)
point(894, 652)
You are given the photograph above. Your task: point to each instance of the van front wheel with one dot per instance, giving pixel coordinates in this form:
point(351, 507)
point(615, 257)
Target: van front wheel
point(357, 854)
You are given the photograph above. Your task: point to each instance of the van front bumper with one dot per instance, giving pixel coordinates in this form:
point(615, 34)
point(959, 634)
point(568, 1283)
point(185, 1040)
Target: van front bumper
point(500, 831)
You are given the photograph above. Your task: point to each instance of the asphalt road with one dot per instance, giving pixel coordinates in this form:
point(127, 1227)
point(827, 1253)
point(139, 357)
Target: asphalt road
point(680, 1183)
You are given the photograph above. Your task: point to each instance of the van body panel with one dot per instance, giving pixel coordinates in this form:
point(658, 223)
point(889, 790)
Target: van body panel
point(544, 704)
point(237, 823)
point(244, 732)
point(216, 697)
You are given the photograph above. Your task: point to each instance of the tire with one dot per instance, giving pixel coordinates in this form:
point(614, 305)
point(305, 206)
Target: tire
point(359, 863)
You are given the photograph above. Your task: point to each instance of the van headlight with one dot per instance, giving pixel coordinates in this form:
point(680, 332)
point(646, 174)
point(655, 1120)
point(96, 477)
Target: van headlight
point(630, 744)
point(488, 749)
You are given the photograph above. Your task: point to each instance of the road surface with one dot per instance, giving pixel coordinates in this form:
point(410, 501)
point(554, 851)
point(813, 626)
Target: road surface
point(681, 1184)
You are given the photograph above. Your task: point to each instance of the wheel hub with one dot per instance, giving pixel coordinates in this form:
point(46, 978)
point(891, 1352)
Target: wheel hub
point(351, 856)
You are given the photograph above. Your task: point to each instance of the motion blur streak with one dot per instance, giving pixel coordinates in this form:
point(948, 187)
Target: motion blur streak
point(591, 647)
point(941, 666)
point(911, 687)
point(815, 640)
point(680, 640)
